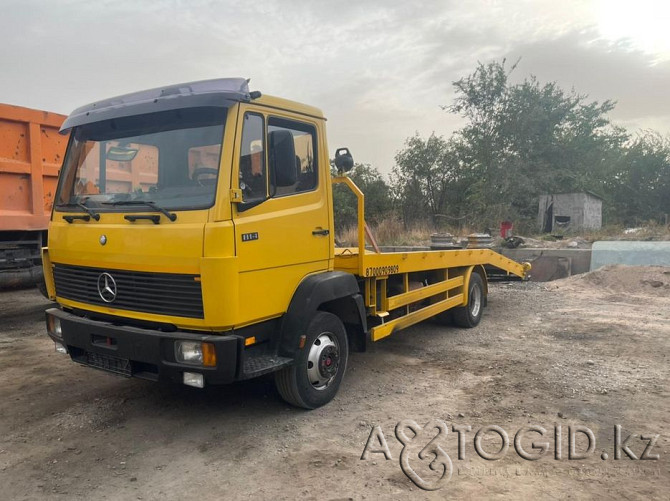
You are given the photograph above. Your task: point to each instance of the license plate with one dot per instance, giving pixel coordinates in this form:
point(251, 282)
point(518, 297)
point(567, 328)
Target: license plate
point(109, 363)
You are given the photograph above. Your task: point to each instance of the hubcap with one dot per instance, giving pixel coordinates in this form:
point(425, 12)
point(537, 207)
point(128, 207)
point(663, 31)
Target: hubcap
point(475, 300)
point(323, 361)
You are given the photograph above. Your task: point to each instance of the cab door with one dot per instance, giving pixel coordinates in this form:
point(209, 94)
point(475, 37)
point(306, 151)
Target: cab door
point(281, 218)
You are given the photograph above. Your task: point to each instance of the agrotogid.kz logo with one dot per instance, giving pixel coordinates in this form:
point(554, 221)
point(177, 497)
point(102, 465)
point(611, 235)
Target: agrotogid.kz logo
point(106, 287)
point(426, 446)
point(417, 441)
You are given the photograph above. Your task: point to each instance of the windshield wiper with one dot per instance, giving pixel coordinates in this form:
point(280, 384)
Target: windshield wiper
point(83, 207)
point(170, 215)
point(88, 211)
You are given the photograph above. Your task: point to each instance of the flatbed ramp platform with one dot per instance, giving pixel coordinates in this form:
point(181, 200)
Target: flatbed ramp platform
point(403, 288)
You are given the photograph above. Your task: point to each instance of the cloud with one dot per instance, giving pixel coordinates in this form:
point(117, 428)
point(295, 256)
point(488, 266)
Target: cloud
point(379, 69)
point(601, 69)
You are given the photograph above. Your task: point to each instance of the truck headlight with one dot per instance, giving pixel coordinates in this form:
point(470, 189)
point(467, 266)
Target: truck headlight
point(196, 353)
point(54, 326)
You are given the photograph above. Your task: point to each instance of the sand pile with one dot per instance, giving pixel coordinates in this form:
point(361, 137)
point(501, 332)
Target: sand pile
point(648, 280)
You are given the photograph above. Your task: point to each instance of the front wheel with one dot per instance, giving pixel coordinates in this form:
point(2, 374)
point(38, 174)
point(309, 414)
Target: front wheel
point(470, 314)
point(42, 287)
point(313, 380)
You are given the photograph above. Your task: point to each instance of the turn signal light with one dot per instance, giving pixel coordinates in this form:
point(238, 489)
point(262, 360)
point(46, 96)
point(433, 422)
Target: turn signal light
point(208, 355)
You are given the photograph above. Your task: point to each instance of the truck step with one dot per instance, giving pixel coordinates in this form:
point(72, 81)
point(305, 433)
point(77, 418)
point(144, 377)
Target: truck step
point(259, 365)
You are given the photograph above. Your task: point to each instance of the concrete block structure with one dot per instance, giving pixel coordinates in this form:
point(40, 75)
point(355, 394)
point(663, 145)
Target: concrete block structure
point(569, 212)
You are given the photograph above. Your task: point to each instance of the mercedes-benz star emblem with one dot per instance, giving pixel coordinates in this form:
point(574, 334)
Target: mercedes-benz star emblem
point(103, 239)
point(107, 287)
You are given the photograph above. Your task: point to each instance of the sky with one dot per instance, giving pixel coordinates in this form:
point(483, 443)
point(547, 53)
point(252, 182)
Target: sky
point(379, 69)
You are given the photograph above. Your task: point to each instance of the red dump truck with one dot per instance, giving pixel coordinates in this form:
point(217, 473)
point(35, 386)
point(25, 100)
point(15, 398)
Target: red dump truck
point(31, 154)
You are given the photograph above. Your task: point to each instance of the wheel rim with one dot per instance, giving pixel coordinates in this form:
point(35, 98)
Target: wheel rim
point(323, 361)
point(475, 300)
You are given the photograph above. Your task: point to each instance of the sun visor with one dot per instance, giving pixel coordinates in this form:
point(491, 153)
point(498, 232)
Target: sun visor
point(220, 92)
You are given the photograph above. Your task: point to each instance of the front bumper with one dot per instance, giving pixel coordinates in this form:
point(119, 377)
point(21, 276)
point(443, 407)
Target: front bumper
point(144, 353)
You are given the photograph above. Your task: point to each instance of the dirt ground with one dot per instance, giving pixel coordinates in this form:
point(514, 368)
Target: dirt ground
point(591, 351)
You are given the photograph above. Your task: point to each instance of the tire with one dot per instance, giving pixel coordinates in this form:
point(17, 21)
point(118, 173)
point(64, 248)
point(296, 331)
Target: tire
point(445, 318)
point(314, 378)
point(42, 287)
point(468, 316)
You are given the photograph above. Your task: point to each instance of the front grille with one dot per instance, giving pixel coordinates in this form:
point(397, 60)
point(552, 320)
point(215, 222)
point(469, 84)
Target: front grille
point(162, 293)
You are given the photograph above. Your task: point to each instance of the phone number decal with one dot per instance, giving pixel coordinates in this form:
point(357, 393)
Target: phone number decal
point(379, 271)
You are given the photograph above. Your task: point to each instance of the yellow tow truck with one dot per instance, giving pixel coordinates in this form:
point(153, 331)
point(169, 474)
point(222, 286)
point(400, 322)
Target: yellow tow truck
point(191, 240)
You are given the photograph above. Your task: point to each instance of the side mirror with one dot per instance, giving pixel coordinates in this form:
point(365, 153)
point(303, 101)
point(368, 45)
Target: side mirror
point(282, 158)
point(344, 162)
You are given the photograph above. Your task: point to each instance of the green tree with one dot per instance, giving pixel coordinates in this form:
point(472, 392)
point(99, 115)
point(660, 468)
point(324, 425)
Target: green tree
point(428, 178)
point(529, 138)
point(378, 201)
point(637, 188)
point(522, 140)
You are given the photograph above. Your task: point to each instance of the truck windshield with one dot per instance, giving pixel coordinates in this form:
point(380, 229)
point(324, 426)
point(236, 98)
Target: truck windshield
point(170, 158)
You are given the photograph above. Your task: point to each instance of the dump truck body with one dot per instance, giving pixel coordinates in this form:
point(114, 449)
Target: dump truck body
point(216, 262)
point(31, 153)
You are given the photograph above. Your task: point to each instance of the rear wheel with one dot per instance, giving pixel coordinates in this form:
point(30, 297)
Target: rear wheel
point(444, 318)
point(314, 378)
point(470, 314)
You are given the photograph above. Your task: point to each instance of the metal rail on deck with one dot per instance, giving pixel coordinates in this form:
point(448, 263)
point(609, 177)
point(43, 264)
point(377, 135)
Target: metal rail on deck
point(421, 303)
point(360, 197)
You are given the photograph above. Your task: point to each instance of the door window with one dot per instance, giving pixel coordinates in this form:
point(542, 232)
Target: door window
point(252, 159)
point(304, 142)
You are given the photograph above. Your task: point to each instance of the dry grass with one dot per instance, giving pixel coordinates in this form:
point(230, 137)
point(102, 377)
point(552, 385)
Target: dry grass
point(391, 231)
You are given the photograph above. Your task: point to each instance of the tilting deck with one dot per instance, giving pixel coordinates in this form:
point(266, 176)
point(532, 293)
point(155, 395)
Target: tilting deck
point(372, 264)
point(449, 271)
point(403, 288)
